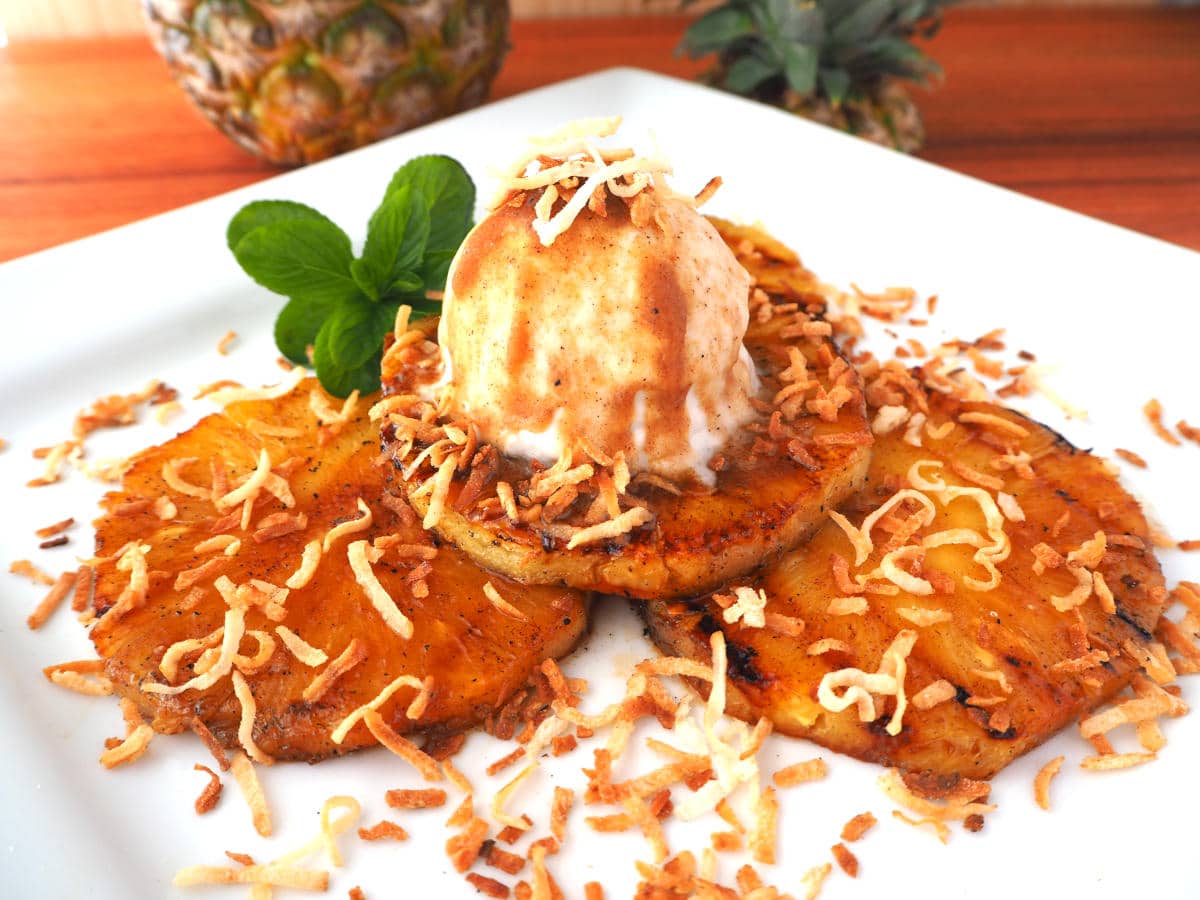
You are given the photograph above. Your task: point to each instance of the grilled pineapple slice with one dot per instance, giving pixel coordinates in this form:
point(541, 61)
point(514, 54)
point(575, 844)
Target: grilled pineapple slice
point(778, 477)
point(1018, 669)
point(477, 655)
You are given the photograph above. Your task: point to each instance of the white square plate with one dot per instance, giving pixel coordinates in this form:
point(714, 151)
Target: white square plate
point(104, 315)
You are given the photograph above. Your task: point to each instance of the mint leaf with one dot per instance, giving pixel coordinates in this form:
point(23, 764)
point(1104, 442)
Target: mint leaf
point(449, 196)
point(348, 348)
point(406, 283)
point(297, 327)
point(267, 212)
point(300, 259)
point(364, 277)
point(341, 306)
point(396, 239)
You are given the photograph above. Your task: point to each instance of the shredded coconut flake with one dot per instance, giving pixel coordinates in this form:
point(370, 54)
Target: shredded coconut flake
point(235, 624)
point(309, 655)
point(246, 727)
point(225, 396)
point(353, 526)
point(418, 703)
point(748, 606)
point(360, 563)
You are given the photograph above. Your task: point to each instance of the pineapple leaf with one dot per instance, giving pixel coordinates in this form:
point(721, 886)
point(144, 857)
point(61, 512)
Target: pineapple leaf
point(806, 53)
point(837, 10)
point(895, 56)
point(801, 67)
point(713, 31)
point(748, 73)
point(865, 21)
point(804, 24)
point(911, 13)
point(835, 84)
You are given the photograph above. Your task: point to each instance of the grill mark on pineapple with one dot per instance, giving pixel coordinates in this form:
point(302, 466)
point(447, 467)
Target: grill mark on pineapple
point(707, 624)
point(980, 716)
point(1128, 619)
point(741, 665)
point(1059, 440)
point(740, 656)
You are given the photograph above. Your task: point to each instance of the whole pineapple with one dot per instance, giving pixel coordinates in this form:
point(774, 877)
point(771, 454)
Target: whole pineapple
point(839, 62)
point(294, 81)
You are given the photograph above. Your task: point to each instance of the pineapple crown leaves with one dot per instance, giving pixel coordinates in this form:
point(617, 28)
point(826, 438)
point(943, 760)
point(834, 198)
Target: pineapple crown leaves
point(341, 307)
point(834, 49)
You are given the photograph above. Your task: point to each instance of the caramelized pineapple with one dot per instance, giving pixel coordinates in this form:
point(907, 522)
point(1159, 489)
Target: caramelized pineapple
point(476, 654)
point(1049, 641)
point(774, 480)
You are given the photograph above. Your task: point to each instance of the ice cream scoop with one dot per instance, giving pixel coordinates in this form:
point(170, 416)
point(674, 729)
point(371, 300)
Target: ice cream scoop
point(624, 335)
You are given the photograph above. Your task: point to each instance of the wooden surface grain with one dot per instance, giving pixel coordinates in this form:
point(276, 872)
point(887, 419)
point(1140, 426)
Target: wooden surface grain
point(1096, 110)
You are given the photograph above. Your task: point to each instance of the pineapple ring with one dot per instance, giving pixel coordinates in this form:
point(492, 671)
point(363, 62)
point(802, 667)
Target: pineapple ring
point(1001, 669)
point(775, 486)
point(478, 653)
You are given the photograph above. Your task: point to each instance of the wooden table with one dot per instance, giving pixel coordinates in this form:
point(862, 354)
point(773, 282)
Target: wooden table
point(1096, 110)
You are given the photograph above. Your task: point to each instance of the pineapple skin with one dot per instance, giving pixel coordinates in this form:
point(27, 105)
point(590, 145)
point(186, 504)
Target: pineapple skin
point(883, 113)
point(886, 115)
point(295, 81)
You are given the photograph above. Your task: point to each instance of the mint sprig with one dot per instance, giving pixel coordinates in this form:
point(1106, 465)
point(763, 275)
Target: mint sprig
point(343, 306)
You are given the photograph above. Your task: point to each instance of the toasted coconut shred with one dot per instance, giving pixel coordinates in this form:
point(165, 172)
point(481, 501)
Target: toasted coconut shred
point(309, 655)
point(1041, 782)
point(354, 654)
point(246, 727)
point(283, 872)
point(862, 690)
point(309, 560)
point(137, 738)
point(251, 788)
point(211, 794)
point(957, 805)
point(81, 676)
point(748, 606)
point(231, 637)
point(501, 604)
point(236, 394)
point(361, 556)
point(27, 569)
point(568, 160)
point(414, 710)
